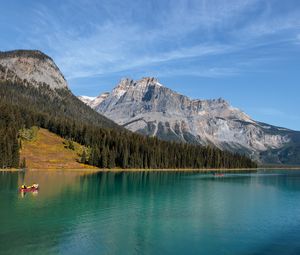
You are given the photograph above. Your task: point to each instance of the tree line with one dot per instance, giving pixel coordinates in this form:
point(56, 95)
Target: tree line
point(59, 111)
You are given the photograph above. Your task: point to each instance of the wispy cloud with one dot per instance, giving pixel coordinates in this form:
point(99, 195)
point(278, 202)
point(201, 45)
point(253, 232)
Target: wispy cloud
point(275, 112)
point(108, 38)
point(298, 39)
point(271, 112)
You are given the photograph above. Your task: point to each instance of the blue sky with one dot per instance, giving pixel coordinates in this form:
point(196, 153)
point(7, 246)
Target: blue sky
point(246, 51)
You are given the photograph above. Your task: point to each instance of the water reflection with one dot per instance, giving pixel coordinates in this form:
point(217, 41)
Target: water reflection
point(149, 213)
point(8, 180)
point(126, 182)
point(33, 193)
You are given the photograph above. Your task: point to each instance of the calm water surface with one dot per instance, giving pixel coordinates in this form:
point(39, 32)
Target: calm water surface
point(151, 213)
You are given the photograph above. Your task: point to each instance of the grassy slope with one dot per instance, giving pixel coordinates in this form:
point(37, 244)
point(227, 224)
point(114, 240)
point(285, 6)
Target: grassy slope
point(48, 151)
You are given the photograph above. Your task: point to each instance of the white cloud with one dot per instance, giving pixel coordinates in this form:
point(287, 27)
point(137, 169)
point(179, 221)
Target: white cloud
point(271, 112)
point(178, 31)
point(274, 112)
point(209, 72)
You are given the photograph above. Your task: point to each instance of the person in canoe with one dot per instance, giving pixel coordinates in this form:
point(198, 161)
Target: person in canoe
point(33, 187)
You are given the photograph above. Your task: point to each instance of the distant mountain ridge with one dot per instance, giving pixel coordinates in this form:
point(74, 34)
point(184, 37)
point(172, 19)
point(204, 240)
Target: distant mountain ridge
point(94, 101)
point(147, 107)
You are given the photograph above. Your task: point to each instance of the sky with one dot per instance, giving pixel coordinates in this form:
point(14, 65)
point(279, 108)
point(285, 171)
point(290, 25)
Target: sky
point(245, 51)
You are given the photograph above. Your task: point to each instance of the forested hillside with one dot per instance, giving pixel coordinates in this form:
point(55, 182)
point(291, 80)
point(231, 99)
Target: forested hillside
point(59, 111)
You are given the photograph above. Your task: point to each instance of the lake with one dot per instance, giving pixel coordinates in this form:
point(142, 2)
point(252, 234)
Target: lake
point(151, 213)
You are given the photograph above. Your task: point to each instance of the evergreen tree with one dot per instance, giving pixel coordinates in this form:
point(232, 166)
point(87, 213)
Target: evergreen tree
point(83, 157)
point(111, 146)
point(23, 164)
point(104, 158)
point(71, 145)
point(111, 159)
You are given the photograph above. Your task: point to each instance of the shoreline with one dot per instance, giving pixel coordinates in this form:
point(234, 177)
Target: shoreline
point(131, 170)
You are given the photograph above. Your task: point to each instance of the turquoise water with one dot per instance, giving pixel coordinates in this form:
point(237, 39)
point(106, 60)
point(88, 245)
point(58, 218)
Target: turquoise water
point(151, 213)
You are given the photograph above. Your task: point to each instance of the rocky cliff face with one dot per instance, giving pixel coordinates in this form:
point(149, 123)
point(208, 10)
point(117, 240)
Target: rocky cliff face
point(149, 108)
point(33, 66)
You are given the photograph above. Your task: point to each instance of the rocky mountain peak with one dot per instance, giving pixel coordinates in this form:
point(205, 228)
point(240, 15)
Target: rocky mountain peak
point(130, 84)
point(25, 54)
point(221, 101)
point(32, 66)
point(122, 87)
point(146, 81)
point(147, 107)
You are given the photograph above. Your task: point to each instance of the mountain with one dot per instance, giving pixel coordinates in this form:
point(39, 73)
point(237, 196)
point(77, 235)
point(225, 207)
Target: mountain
point(94, 101)
point(33, 92)
point(40, 75)
point(86, 99)
point(147, 107)
point(34, 67)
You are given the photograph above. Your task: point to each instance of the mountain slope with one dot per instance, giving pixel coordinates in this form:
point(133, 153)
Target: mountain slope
point(149, 108)
point(49, 151)
point(26, 106)
point(34, 74)
point(51, 105)
point(34, 67)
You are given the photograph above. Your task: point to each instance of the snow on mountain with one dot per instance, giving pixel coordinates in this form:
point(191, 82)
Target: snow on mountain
point(147, 107)
point(93, 101)
point(86, 99)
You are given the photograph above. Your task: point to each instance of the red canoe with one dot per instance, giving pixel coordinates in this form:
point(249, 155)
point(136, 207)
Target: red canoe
point(32, 188)
point(28, 189)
